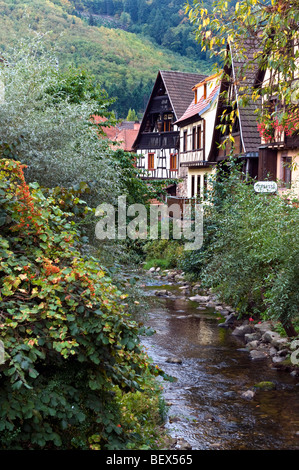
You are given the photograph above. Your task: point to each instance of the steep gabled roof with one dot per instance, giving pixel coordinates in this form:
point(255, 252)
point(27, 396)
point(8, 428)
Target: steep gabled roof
point(179, 89)
point(247, 114)
point(242, 76)
point(178, 86)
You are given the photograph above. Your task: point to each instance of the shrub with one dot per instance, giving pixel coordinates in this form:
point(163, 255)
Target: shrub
point(251, 260)
point(69, 343)
point(163, 253)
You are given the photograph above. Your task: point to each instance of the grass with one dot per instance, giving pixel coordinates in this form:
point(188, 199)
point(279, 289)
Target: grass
point(158, 263)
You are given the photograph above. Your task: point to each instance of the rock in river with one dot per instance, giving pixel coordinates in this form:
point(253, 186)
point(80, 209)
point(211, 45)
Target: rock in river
point(174, 360)
point(200, 298)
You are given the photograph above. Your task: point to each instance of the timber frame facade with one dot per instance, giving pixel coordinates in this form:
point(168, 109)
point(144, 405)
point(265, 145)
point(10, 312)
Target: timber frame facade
point(180, 136)
point(275, 159)
point(157, 142)
point(279, 153)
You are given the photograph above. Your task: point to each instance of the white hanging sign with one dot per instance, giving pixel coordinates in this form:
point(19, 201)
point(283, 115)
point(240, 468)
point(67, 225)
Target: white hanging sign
point(265, 187)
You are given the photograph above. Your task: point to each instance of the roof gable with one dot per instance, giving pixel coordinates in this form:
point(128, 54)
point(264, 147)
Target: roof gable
point(178, 87)
point(247, 116)
point(197, 109)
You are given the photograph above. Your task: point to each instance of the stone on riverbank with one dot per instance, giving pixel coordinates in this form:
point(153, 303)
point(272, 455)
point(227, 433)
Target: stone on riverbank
point(248, 395)
point(255, 354)
point(211, 304)
point(252, 345)
point(161, 292)
point(265, 385)
point(278, 359)
point(229, 321)
point(249, 337)
point(183, 445)
point(200, 298)
point(269, 336)
point(174, 360)
point(242, 330)
point(263, 326)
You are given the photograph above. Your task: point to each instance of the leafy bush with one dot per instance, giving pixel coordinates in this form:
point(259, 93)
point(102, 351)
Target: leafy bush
point(194, 262)
point(163, 253)
point(70, 346)
point(251, 260)
point(45, 122)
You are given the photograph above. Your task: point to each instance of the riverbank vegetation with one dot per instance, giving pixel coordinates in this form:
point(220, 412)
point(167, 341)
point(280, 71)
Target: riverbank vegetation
point(250, 251)
point(73, 373)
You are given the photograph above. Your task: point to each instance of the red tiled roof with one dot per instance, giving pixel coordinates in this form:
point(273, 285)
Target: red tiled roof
point(124, 134)
point(126, 138)
point(109, 131)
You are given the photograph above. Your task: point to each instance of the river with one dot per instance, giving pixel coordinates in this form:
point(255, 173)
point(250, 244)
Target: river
point(206, 407)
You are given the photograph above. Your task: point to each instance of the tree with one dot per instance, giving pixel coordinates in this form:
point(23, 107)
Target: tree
point(71, 351)
point(132, 116)
point(263, 36)
point(45, 121)
point(91, 21)
point(157, 25)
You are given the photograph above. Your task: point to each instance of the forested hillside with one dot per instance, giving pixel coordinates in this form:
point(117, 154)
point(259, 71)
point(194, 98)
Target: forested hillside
point(164, 21)
point(124, 55)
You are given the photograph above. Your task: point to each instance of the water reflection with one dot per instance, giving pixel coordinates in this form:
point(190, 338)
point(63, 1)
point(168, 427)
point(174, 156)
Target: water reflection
point(207, 408)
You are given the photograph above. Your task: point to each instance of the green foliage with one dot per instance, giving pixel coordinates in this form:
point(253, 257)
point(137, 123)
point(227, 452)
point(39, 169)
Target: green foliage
point(163, 21)
point(46, 122)
point(194, 262)
point(124, 63)
point(262, 36)
point(136, 190)
point(163, 253)
point(143, 414)
point(78, 86)
point(251, 256)
point(132, 116)
point(69, 342)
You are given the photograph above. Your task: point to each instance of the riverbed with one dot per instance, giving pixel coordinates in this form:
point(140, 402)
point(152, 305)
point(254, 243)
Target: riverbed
point(205, 403)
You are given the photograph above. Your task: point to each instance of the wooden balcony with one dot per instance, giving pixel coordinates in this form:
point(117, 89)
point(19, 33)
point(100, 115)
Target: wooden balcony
point(194, 158)
point(283, 141)
point(292, 141)
point(156, 140)
point(161, 104)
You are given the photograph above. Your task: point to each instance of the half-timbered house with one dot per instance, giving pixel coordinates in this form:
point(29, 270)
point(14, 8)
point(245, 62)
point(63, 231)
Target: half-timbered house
point(196, 131)
point(279, 145)
point(157, 142)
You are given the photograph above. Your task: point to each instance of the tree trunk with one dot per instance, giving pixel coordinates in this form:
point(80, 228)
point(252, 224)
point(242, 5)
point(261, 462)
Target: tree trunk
point(289, 329)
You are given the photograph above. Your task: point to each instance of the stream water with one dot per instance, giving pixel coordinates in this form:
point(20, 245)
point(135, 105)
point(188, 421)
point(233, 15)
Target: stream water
point(206, 407)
